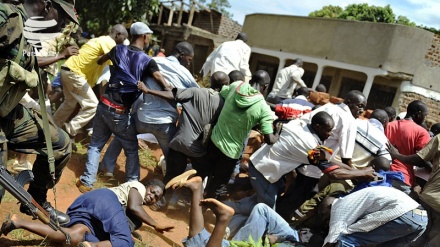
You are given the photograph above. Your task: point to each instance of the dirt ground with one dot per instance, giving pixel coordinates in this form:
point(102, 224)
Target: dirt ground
point(66, 192)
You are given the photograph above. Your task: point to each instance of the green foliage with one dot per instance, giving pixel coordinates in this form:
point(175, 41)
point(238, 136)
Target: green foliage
point(252, 243)
point(365, 12)
point(403, 20)
point(219, 5)
point(97, 16)
point(328, 11)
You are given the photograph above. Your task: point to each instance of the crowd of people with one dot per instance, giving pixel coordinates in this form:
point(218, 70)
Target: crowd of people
point(326, 166)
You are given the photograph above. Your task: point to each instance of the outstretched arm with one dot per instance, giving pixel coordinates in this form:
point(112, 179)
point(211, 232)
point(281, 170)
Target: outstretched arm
point(66, 53)
point(408, 159)
point(135, 203)
point(168, 95)
point(104, 58)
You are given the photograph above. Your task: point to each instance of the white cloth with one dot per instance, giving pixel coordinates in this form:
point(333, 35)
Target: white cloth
point(343, 134)
point(286, 154)
point(155, 110)
point(229, 56)
point(287, 80)
point(366, 210)
point(370, 143)
point(123, 190)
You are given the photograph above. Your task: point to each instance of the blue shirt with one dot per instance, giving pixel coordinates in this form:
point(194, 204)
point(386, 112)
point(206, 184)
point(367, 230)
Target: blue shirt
point(155, 110)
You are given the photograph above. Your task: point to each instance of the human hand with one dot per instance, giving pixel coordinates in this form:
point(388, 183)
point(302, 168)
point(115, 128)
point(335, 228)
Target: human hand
point(163, 228)
point(278, 128)
point(392, 150)
point(368, 174)
point(69, 51)
point(141, 86)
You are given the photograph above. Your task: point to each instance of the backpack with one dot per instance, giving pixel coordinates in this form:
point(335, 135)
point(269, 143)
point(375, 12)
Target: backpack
point(15, 81)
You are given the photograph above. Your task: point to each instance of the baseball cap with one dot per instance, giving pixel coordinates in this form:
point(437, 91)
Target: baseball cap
point(68, 7)
point(139, 28)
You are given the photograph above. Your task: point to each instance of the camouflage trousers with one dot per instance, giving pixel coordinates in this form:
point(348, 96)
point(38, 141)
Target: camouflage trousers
point(23, 130)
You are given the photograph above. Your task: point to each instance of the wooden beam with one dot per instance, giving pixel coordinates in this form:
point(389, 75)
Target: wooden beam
point(170, 18)
point(160, 14)
point(179, 19)
point(191, 13)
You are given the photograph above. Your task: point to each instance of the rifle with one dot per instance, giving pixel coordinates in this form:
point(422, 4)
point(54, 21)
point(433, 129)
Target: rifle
point(15, 187)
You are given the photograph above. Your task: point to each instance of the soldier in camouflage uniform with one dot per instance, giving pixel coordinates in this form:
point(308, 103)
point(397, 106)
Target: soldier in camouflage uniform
point(20, 127)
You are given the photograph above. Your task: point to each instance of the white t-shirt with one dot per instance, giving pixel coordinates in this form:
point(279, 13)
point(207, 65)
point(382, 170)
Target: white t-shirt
point(290, 151)
point(343, 134)
point(287, 80)
point(123, 190)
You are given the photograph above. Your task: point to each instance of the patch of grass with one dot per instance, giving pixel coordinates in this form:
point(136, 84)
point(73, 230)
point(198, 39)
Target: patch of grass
point(146, 158)
point(105, 182)
point(138, 243)
point(8, 197)
point(80, 148)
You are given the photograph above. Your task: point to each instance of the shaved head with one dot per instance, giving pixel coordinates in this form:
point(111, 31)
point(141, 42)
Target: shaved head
point(261, 77)
point(236, 75)
point(218, 80)
point(119, 33)
point(183, 47)
point(391, 113)
point(380, 115)
point(417, 110)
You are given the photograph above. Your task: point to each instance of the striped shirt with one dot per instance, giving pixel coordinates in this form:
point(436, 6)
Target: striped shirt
point(366, 210)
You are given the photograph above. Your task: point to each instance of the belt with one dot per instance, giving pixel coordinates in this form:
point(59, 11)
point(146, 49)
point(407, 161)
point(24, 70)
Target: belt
point(420, 212)
point(112, 109)
point(65, 68)
point(110, 103)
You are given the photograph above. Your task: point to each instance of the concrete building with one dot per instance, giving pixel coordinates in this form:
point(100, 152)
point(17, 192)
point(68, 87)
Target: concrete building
point(390, 64)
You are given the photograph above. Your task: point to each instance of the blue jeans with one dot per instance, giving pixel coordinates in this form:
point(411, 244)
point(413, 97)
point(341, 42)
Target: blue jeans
point(104, 124)
point(261, 220)
point(264, 219)
point(398, 232)
point(266, 191)
point(164, 133)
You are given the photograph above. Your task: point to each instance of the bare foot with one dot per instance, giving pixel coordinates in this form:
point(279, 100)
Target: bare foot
point(272, 239)
point(222, 211)
point(194, 183)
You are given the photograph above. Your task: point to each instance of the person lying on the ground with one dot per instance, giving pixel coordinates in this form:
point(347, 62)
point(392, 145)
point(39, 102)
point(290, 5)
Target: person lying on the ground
point(338, 188)
point(97, 217)
point(267, 220)
point(376, 215)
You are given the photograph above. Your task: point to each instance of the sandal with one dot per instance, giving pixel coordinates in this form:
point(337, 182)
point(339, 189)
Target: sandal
point(7, 226)
point(179, 181)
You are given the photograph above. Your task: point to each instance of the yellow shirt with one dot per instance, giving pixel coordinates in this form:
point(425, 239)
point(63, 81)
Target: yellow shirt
point(85, 64)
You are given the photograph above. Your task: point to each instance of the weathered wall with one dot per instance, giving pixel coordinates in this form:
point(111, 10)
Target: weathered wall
point(209, 21)
point(229, 28)
point(217, 23)
point(433, 106)
point(394, 48)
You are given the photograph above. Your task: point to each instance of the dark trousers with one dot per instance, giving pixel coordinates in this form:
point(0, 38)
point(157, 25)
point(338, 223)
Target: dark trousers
point(177, 161)
point(222, 167)
point(296, 195)
point(23, 128)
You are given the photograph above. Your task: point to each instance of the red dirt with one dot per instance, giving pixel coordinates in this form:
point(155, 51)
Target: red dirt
point(67, 192)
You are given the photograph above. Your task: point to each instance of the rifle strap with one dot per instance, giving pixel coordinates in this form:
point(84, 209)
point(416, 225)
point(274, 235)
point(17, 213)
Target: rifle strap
point(46, 130)
point(20, 48)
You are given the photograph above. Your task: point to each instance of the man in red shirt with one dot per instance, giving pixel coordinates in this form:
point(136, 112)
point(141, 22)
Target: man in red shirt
point(408, 136)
